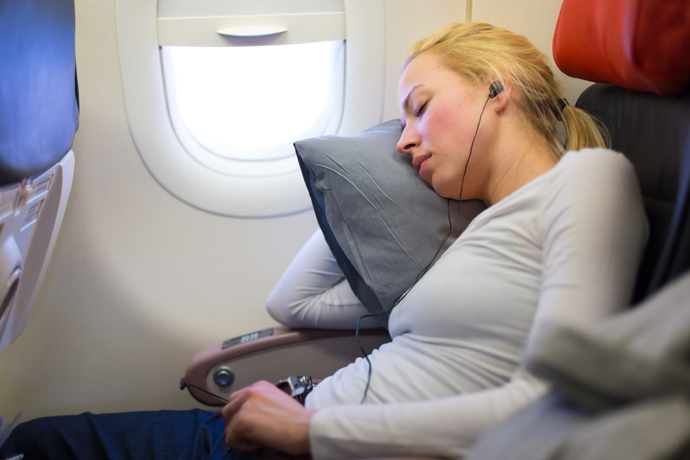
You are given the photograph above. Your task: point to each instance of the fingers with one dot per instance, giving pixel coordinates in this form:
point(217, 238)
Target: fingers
point(237, 432)
point(238, 435)
point(235, 402)
point(238, 398)
point(263, 415)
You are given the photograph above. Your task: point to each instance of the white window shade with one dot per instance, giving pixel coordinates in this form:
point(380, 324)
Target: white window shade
point(206, 8)
point(251, 103)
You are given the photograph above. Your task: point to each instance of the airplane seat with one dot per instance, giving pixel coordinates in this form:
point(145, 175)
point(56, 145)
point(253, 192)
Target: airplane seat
point(652, 130)
point(635, 50)
point(39, 113)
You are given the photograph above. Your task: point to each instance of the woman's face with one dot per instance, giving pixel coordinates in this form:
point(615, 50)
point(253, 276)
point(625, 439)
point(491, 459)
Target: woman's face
point(439, 116)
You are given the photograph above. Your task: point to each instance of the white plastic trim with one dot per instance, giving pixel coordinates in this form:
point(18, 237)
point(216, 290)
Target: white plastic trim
point(28, 245)
point(364, 66)
point(199, 186)
point(297, 28)
point(208, 8)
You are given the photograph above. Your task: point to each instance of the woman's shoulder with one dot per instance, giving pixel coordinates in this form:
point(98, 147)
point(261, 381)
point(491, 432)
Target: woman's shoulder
point(594, 175)
point(599, 168)
point(599, 158)
point(595, 189)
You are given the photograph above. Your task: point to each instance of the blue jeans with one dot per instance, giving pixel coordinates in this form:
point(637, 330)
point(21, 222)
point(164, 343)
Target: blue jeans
point(164, 435)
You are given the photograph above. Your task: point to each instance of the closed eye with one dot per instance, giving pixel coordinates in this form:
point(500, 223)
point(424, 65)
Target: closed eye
point(419, 111)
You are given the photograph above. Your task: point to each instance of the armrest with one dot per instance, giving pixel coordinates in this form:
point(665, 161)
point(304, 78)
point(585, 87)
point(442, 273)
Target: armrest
point(273, 354)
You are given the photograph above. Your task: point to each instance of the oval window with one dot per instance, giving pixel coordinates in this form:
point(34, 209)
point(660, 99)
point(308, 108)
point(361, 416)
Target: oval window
point(251, 103)
point(213, 112)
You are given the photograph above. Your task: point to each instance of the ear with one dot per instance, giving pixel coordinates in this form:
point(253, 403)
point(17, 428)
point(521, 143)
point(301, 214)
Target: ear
point(500, 101)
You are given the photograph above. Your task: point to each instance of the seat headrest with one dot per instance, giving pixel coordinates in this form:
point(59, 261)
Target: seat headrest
point(39, 109)
point(636, 44)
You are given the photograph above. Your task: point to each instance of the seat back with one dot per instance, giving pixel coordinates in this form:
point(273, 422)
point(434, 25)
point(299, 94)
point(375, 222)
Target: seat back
point(654, 133)
point(39, 110)
point(639, 45)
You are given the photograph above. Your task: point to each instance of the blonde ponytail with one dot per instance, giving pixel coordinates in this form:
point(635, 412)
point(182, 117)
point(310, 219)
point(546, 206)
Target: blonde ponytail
point(582, 130)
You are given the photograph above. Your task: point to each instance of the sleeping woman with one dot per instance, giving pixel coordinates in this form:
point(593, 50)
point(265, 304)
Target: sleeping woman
point(559, 244)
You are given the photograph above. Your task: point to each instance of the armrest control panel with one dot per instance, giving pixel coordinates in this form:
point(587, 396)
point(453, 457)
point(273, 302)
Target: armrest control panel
point(273, 354)
point(247, 338)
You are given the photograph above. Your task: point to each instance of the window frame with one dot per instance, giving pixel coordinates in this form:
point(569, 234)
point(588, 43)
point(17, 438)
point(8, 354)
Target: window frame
point(140, 34)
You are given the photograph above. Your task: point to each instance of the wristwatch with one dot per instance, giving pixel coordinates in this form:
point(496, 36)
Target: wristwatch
point(297, 386)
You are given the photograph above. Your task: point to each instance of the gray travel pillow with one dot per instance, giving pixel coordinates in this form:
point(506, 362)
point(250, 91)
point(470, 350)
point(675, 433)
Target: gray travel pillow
point(382, 222)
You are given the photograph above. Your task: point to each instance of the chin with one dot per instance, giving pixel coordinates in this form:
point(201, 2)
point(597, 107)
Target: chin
point(445, 193)
point(442, 189)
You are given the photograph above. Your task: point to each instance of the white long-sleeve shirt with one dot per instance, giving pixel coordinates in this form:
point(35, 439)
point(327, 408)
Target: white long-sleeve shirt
point(563, 249)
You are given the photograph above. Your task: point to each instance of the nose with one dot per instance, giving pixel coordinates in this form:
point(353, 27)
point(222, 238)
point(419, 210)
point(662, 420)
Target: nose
point(409, 140)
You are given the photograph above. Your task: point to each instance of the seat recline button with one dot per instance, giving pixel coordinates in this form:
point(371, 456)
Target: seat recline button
point(223, 377)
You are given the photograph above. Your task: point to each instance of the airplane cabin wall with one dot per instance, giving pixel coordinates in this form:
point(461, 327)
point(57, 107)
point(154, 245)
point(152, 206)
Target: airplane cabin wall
point(140, 281)
point(536, 20)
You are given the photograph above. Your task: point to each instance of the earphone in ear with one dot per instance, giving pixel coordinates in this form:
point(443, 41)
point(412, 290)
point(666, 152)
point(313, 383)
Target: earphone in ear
point(495, 89)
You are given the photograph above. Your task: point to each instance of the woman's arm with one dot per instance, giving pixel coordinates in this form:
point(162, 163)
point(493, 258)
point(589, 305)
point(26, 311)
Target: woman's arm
point(262, 415)
point(313, 292)
point(594, 233)
point(444, 427)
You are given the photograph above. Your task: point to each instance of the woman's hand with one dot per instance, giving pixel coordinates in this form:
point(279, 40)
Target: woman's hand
point(263, 415)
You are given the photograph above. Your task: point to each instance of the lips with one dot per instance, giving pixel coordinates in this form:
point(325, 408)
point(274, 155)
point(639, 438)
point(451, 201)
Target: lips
point(418, 160)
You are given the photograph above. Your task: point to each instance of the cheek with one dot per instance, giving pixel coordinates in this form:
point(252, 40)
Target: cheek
point(442, 126)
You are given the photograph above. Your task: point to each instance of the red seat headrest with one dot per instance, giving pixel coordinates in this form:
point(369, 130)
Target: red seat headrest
point(637, 44)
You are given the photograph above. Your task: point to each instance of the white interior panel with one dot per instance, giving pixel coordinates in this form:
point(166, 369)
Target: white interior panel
point(364, 66)
point(408, 21)
point(536, 20)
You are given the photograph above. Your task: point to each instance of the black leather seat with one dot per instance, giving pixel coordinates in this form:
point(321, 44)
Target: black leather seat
point(654, 133)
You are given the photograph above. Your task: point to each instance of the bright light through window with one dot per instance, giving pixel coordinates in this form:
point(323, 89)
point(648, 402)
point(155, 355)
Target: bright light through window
point(243, 102)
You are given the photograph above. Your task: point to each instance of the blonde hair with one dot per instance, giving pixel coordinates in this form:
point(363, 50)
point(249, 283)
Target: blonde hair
point(482, 53)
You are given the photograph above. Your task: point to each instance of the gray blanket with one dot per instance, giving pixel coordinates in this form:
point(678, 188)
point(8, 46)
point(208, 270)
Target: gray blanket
point(621, 390)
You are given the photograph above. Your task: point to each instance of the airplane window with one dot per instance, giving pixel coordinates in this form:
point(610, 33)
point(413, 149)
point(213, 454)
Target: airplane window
point(252, 102)
point(216, 92)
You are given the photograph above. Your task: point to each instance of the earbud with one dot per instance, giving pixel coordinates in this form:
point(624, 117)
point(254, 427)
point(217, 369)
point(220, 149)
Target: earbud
point(495, 89)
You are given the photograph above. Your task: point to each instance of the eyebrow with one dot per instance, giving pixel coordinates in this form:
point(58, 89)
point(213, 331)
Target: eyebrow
point(407, 99)
point(406, 103)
